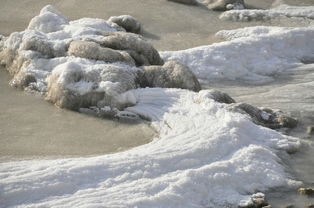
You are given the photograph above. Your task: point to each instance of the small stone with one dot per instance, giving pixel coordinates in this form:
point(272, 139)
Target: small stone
point(310, 206)
point(306, 191)
point(310, 130)
point(286, 121)
point(290, 206)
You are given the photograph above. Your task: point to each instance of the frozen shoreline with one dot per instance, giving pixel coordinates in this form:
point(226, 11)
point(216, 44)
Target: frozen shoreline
point(212, 157)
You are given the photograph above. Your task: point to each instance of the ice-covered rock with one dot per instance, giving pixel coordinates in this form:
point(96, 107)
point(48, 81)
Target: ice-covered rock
point(223, 5)
point(171, 75)
point(73, 86)
point(216, 95)
point(141, 51)
point(265, 117)
point(76, 64)
point(129, 23)
point(188, 2)
point(92, 50)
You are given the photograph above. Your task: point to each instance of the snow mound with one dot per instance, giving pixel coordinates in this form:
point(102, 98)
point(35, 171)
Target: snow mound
point(206, 156)
point(253, 54)
point(282, 10)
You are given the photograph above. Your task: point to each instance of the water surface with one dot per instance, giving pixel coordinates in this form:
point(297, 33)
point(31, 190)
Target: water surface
point(31, 127)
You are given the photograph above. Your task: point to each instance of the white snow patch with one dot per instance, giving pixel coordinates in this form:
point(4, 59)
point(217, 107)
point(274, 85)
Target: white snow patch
point(282, 10)
point(205, 156)
point(254, 54)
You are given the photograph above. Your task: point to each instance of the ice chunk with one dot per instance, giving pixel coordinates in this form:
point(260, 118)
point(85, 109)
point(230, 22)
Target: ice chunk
point(49, 20)
point(171, 75)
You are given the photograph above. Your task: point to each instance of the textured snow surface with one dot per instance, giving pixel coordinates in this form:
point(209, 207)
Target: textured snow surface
point(205, 155)
point(282, 10)
point(253, 54)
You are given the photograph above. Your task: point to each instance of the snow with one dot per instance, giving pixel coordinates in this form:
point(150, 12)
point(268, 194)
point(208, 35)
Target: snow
point(281, 10)
point(253, 54)
point(204, 156)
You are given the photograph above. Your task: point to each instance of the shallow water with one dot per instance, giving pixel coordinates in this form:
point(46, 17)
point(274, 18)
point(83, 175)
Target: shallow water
point(169, 26)
point(30, 127)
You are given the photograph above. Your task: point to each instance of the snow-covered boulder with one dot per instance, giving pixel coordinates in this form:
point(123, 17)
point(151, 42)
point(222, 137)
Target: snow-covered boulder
point(172, 74)
point(217, 96)
point(129, 23)
point(265, 117)
point(81, 63)
point(92, 50)
point(74, 85)
point(141, 51)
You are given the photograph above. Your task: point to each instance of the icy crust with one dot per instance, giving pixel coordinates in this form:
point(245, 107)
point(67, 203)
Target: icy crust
point(282, 10)
point(205, 156)
point(253, 55)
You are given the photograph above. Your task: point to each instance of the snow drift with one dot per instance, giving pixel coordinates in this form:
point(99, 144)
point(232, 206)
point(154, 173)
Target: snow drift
point(282, 10)
point(253, 54)
point(205, 156)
